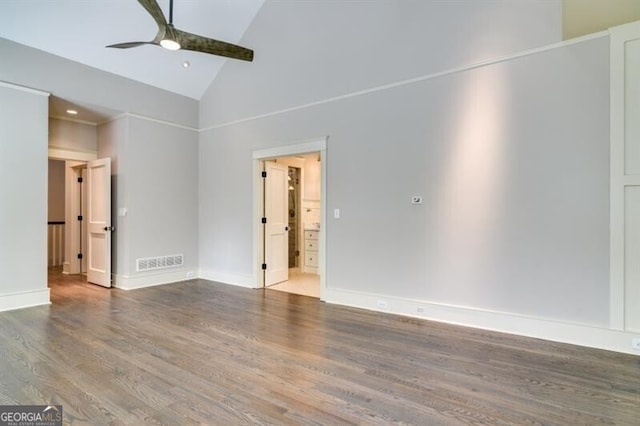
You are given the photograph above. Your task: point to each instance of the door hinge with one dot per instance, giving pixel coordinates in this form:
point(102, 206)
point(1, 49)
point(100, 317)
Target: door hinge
point(80, 179)
point(264, 220)
point(79, 255)
point(264, 266)
point(264, 173)
point(80, 218)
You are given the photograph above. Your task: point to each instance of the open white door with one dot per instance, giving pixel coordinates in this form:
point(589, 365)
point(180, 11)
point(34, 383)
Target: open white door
point(276, 235)
point(99, 221)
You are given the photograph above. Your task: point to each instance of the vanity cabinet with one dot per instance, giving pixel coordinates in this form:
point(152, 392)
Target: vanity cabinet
point(311, 251)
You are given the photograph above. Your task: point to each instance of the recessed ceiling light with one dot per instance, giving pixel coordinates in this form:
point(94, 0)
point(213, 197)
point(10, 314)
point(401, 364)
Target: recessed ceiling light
point(72, 112)
point(186, 64)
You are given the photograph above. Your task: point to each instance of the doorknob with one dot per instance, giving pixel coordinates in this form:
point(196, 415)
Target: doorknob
point(286, 228)
point(109, 228)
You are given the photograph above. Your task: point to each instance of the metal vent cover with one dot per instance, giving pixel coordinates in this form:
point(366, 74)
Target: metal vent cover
point(159, 262)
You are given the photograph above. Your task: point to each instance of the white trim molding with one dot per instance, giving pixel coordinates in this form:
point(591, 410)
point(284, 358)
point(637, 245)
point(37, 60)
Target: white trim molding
point(247, 281)
point(126, 282)
point(414, 80)
point(24, 89)
point(624, 183)
point(24, 299)
point(556, 331)
point(62, 153)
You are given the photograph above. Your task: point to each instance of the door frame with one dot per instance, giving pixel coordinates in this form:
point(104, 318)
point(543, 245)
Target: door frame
point(260, 155)
point(72, 197)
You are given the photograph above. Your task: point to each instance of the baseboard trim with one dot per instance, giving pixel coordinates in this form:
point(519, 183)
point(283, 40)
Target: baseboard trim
point(247, 281)
point(135, 282)
point(24, 299)
point(556, 331)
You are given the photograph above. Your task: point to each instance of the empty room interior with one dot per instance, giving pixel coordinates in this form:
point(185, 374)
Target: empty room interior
point(321, 212)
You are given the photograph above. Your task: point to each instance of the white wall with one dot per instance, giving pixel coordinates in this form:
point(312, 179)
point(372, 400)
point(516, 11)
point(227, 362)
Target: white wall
point(311, 177)
point(23, 198)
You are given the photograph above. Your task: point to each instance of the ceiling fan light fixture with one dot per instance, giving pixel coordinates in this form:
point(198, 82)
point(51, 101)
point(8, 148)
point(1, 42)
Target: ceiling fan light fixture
point(170, 44)
point(171, 38)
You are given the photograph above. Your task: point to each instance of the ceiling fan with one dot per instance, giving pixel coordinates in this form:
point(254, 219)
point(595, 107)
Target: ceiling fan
point(172, 38)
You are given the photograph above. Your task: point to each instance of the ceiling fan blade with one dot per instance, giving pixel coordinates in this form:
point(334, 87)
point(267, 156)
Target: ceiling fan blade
point(154, 10)
point(198, 43)
point(130, 44)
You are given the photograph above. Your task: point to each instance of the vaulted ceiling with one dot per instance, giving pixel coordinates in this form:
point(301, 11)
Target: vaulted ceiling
point(80, 30)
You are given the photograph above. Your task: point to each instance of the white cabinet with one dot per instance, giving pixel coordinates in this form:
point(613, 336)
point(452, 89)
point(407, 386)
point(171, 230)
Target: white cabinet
point(311, 251)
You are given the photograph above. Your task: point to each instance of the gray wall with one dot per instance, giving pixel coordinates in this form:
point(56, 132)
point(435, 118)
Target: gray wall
point(510, 158)
point(79, 83)
point(307, 51)
point(72, 135)
point(155, 177)
point(23, 191)
point(55, 193)
point(141, 149)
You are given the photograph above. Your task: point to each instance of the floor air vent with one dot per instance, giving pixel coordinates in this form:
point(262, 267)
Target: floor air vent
point(160, 262)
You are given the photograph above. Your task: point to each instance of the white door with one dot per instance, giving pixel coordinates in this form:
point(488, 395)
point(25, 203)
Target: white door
point(276, 234)
point(99, 222)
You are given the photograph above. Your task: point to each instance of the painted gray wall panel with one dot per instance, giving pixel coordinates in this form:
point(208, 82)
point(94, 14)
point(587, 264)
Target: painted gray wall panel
point(71, 135)
point(162, 176)
point(155, 177)
point(512, 162)
point(55, 191)
point(307, 51)
point(23, 191)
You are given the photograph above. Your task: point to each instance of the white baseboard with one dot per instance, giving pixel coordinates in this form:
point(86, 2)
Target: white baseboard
point(576, 334)
point(24, 299)
point(248, 281)
point(125, 282)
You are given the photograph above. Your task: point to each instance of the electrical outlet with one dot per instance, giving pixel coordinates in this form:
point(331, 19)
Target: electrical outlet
point(190, 274)
point(635, 343)
point(382, 304)
point(420, 310)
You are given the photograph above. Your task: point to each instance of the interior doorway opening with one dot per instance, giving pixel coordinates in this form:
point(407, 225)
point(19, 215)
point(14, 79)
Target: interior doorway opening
point(298, 218)
point(67, 206)
point(289, 208)
point(80, 244)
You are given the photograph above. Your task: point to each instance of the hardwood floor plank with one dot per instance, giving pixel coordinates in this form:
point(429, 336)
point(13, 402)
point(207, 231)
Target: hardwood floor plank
point(198, 352)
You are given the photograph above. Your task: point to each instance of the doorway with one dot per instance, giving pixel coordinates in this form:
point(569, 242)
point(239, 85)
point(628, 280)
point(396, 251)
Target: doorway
point(79, 244)
point(289, 194)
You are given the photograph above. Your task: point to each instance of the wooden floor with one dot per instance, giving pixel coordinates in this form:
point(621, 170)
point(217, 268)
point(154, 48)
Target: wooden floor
point(203, 353)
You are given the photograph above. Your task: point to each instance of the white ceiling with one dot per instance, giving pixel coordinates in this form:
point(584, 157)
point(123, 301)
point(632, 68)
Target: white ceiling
point(80, 29)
